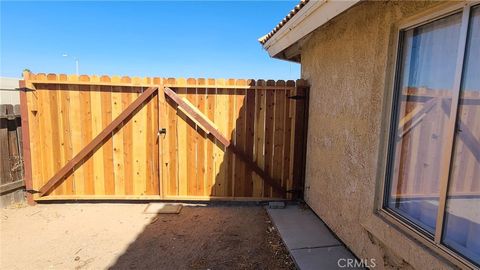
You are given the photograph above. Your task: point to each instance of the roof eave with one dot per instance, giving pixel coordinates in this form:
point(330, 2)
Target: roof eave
point(313, 15)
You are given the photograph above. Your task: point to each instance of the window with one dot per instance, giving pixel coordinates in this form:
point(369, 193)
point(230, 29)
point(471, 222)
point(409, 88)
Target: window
point(433, 174)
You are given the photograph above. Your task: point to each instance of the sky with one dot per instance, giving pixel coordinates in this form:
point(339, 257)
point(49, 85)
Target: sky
point(216, 39)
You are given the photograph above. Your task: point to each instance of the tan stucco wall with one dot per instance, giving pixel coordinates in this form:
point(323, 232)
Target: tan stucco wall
point(347, 64)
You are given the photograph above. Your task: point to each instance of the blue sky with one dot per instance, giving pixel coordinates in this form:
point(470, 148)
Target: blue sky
point(169, 39)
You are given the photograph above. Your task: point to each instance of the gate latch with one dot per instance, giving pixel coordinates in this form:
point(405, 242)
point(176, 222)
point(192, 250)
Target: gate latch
point(162, 131)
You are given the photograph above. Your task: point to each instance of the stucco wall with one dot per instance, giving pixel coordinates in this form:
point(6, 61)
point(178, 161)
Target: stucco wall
point(347, 64)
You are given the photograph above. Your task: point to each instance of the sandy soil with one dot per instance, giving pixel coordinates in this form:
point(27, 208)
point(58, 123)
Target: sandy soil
point(120, 236)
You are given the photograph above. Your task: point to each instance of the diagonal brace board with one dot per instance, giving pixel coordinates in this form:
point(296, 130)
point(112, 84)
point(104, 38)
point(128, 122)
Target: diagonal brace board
point(193, 113)
point(464, 133)
point(60, 175)
point(196, 116)
point(409, 121)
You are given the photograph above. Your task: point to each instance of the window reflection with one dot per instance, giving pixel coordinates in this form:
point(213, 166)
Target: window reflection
point(462, 217)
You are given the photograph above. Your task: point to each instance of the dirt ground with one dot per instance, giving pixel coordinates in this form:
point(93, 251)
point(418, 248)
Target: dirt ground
point(121, 236)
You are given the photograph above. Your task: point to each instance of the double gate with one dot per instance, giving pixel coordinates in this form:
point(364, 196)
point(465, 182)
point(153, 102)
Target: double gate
point(91, 137)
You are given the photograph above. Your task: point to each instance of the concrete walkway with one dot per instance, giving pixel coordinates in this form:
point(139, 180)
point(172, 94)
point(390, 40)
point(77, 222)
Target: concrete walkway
point(308, 239)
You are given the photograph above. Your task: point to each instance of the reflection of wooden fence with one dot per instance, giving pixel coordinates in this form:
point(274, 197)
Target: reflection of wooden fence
point(159, 150)
point(11, 163)
point(420, 143)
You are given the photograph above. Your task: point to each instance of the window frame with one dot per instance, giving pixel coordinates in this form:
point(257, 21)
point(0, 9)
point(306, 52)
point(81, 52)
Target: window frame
point(386, 159)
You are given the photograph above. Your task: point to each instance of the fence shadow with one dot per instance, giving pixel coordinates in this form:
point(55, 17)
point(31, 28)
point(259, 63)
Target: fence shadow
point(206, 237)
point(261, 123)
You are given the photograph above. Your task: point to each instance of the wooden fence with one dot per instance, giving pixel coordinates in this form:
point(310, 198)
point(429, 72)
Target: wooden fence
point(11, 161)
point(188, 138)
point(421, 142)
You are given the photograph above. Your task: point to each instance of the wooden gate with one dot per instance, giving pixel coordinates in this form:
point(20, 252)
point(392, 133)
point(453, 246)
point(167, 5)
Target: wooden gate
point(155, 138)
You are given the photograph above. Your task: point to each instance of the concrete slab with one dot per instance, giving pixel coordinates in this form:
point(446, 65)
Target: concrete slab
point(301, 228)
point(324, 258)
point(276, 205)
point(163, 208)
point(311, 244)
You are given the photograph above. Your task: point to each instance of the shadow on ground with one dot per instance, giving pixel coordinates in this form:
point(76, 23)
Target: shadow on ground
point(208, 237)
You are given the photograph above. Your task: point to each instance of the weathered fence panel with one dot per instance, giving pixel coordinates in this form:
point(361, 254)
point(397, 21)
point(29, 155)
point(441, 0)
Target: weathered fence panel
point(11, 162)
point(160, 151)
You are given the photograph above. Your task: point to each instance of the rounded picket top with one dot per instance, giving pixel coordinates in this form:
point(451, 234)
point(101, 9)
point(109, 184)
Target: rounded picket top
point(211, 81)
point(52, 77)
point(126, 79)
point(72, 78)
point(230, 81)
point(302, 83)
point(202, 81)
point(261, 83)
point(62, 77)
point(243, 82)
point(291, 83)
point(180, 82)
point(115, 79)
point(220, 81)
point(172, 81)
point(157, 80)
point(94, 78)
point(41, 77)
point(191, 81)
point(84, 78)
point(280, 83)
point(105, 78)
point(270, 83)
point(137, 80)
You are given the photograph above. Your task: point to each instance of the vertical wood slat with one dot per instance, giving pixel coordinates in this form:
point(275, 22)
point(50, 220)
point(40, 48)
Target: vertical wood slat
point(230, 135)
point(278, 135)
point(139, 149)
point(210, 153)
point(5, 168)
point(221, 158)
point(128, 138)
point(191, 141)
point(182, 144)
point(30, 144)
point(285, 178)
point(269, 126)
point(172, 137)
point(240, 134)
point(106, 96)
point(76, 137)
point(86, 134)
point(164, 153)
point(97, 127)
point(249, 137)
point(117, 140)
point(10, 145)
point(201, 140)
point(54, 126)
point(259, 157)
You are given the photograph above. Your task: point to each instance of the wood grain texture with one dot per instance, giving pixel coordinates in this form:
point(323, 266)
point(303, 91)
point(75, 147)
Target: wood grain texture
point(241, 151)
